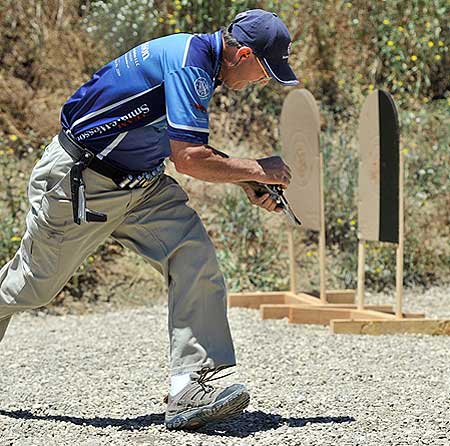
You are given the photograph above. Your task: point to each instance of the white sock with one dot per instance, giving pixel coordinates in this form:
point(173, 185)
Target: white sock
point(179, 382)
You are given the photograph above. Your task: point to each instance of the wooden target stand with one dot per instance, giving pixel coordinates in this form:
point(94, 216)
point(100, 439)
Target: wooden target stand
point(381, 218)
point(300, 127)
point(300, 132)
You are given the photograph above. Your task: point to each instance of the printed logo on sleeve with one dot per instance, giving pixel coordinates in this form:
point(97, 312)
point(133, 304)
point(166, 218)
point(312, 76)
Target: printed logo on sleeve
point(202, 88)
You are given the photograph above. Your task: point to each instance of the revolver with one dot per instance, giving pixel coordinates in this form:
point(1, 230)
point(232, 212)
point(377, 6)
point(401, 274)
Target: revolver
point(276, 193)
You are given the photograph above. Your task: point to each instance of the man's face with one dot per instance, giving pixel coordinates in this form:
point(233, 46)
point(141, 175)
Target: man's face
point(247, 71)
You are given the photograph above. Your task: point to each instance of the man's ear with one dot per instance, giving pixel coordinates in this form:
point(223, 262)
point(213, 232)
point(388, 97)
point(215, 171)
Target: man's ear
point(244, 52)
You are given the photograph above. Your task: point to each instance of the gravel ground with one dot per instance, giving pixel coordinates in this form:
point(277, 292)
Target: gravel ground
point(99, 379)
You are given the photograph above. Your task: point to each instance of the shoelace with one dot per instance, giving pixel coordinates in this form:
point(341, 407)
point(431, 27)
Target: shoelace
point(207, 375)
point(203, 378)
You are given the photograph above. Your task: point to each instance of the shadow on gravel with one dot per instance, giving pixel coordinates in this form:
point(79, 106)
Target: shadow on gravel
point(247, 424)
point(257, 421)
point(128, 424)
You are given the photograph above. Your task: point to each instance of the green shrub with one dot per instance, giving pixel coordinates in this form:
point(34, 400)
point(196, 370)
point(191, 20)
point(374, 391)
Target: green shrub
point(125, 23)
point(250, 247)
point(13, 198)
point(411, 45)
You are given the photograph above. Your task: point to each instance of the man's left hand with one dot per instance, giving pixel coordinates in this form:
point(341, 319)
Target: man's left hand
point(264, 201)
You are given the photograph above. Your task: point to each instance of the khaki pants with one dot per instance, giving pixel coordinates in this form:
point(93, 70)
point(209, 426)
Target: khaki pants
point(155, 222)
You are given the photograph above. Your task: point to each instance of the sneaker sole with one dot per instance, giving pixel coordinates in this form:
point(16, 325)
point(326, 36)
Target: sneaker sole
point(221, 410)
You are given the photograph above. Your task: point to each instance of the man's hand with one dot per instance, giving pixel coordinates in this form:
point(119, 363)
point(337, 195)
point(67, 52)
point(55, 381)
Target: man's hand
point(264, 201)
point(274, 171)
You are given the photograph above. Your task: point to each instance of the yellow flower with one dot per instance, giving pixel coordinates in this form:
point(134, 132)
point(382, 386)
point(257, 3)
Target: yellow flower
point(14, 238)
point(161, 20)
point(400, 28)
point(371, 87)
point(352, 222)
point(378, 270)
point(1, 152)
point(309, 254)
point(425, 100)
point(172, 22)
point(405, 150)
point(339, 221)
point(13, 137)
point(438, 57)
point(414, 57)
point(9, 151)
point(178, 7)
point(397, 58)
point(349, 4)
point(390, 43)
point(169, 16)
point(90, 259)
point(341, 82)
point(441, 43)
point(177, 30)
point(428, 24)
point(400, 83)
point(430, 43)
point(386, 22)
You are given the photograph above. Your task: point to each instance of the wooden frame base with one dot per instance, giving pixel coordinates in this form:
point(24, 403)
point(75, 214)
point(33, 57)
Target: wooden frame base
point(396, 326)
point(339, 312)
point(258, 298)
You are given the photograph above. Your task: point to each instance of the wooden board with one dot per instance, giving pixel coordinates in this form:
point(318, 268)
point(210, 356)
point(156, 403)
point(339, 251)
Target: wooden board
point(255, 300)
point(340, 296)
point(323, 316)
point(377, 327)
point(378, 178)
point(308, 315)
point(300, 128)
point(280, 311)
point(269, 311)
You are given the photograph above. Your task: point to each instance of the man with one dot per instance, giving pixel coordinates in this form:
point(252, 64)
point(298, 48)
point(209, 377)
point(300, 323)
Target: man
point(117, 129)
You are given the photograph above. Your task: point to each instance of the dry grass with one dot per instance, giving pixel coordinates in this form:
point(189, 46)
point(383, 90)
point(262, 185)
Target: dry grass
point(45, 55)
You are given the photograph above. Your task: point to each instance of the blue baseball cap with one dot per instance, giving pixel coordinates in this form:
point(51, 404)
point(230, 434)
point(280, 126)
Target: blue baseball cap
point(268, 37)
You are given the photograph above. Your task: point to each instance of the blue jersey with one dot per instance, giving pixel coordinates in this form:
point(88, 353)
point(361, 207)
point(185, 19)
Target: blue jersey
point(160, 90)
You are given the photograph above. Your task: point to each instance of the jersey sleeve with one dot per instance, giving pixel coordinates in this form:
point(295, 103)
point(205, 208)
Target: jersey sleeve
point(188, 92)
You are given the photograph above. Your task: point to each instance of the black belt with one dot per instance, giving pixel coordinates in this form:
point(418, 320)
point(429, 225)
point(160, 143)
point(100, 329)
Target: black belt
point(84, 159)
point(124, 179)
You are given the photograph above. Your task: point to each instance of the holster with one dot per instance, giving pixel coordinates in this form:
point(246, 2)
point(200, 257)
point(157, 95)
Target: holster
point(81, 213)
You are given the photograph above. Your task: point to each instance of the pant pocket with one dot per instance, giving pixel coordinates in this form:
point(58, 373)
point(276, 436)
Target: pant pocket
point(44, 249)
point(56, 208)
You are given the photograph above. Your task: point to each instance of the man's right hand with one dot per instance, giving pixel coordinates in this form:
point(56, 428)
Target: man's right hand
point(274, 171)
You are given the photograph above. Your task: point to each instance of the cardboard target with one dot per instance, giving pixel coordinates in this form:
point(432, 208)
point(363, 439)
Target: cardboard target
point(378, 178)
point(300, 128)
